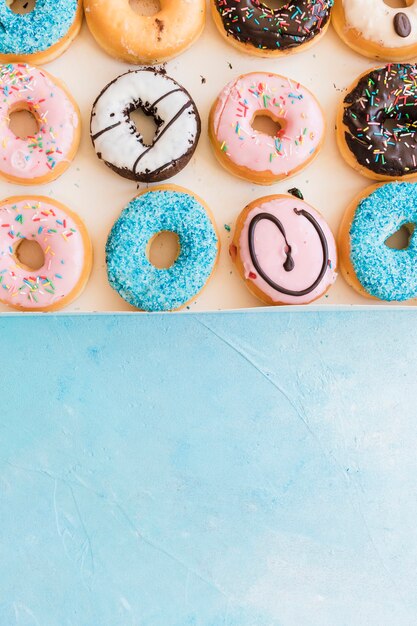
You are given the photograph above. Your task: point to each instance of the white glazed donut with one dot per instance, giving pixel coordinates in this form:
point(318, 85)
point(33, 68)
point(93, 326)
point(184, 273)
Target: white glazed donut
point(377, 30)
point(117, 140)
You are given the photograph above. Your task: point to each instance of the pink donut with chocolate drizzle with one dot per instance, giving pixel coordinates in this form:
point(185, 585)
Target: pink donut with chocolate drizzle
point(284, 250)
point(256, 155)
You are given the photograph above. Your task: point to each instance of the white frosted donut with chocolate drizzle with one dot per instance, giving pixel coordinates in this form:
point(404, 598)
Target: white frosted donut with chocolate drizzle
point(118, 142)
point(284, 250)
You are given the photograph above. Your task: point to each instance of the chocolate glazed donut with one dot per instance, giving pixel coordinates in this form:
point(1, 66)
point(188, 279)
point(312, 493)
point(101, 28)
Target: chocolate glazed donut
point(253, 22)
point(380, 120)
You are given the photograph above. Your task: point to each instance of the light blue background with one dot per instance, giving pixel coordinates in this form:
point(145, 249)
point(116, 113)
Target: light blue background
point(240, 469)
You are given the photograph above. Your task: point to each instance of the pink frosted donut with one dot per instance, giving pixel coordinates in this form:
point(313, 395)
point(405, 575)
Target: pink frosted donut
point(46, 155)
point(256, 156)
point(66, 248)
point(284, 250)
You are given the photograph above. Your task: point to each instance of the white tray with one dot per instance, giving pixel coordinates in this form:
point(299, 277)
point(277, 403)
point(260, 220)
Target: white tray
point(98, 195)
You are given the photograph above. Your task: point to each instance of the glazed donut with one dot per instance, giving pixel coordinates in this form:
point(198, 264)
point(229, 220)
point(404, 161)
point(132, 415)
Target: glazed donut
point(130, 273)
point(144, 39)
point(119, 144)
point(67, 251)
point(377, 122)
point(253, 27)
point(44, 157)
point(41, 35)
point(256, 156)
point(284, 250)
point(368, 265)
point(376, 30)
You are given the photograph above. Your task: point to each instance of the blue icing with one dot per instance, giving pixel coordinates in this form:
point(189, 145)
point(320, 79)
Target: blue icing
point(385, 273)
point(38, 30)
point(132, 275)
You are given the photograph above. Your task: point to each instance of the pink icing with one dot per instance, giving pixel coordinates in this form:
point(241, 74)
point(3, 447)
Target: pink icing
point(62, 244)
point(306, 250)
point(33, 157)
point(302, 130)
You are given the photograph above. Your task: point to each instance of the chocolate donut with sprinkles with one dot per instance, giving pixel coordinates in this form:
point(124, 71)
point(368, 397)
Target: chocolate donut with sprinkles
point(257, 29)
point(377, 123)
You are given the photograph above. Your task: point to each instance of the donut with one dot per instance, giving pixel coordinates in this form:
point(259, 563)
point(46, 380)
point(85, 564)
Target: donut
point(376, 30)
point(377, 123)
point(253, 27)
point(256, 156)
point(118, 142)
point(145, 39)
point(130, 273)
point(284, 250)
point(41, 35)
point(66, 248)
point(44, 157)
point(367, 263)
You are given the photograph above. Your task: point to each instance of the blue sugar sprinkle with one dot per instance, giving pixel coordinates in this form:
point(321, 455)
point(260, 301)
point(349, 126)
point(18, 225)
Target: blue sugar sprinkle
point(385, 273)
point(132, 275)
point(38, 30)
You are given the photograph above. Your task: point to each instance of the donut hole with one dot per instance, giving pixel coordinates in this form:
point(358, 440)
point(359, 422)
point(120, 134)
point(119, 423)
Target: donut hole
point(274, 5)
point(163, 249)
point(144, 124)
point(398, 4)
point(146, 8)
point(29, 255)
point(391, 125)
point(401, 239)
point(394, 126)
point(267, 124)
point(22, 122)
point(22, 6)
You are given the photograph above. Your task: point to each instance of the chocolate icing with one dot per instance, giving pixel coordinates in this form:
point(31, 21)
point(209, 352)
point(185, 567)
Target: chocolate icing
point(289, 263)
point(381, 120)
point(253, 22)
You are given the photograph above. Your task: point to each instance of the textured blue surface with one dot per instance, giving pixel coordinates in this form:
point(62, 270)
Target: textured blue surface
point(241, 469)
point(385, 273)
point(132, 275)
point(38, 30)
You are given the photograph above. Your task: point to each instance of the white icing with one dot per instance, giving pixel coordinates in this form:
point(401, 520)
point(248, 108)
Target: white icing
point(375, 21)
point(119, 146)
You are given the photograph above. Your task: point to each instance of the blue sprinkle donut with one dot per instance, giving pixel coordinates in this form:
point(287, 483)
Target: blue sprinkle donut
point(130, 273)
point(40, 35)
point(369, 265)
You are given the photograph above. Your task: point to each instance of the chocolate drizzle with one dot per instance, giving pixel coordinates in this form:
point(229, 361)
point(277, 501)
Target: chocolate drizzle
point(158, 136)
point(381, 120)
point(253, 22)
point(289, 263)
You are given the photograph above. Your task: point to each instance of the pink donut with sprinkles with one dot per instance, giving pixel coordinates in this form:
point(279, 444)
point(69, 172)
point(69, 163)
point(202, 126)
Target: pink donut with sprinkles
point(266, 156)
point(45, 155)
point(64, 254)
